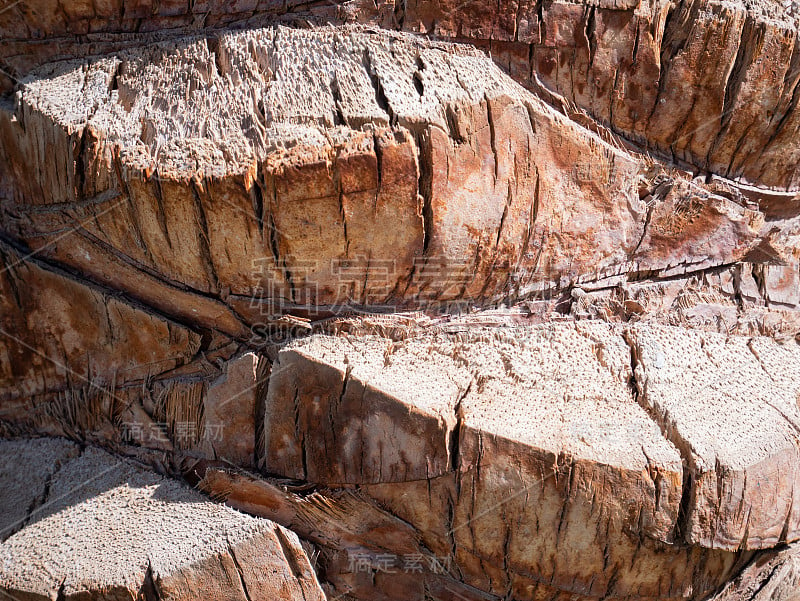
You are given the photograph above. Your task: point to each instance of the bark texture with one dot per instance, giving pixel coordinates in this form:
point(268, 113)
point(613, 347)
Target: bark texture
point(428, 300)
point(266, 192)
point(101, 527)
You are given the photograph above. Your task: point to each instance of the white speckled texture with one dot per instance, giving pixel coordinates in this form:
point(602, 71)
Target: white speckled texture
point(730, 404)
point(413, 409)
point(106, 523)
point(26, 468)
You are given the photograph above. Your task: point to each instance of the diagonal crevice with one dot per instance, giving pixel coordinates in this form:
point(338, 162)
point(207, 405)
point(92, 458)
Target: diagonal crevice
point(638, 389)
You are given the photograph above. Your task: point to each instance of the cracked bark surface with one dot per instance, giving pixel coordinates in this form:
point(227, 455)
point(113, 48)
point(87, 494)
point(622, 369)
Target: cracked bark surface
point(57, 331)
point(180, 202)
point(205, 409)
point(709, 83)
point(637, 67)
point(539, 422)
point(736, 424)
point(772, 576)
point(483, 409)
point(165, 386)
point(24, 493)
point(425, 206)
point(111, 528)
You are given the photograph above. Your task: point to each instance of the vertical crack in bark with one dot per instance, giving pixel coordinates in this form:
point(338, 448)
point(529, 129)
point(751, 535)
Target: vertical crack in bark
point(291, 559)
point(114, 82)
point(492, 137)
point(419, 85)
point(161, 215)
point(540, 16)
point(645, 228)
point(204, 240)
point(425, 185)
point(454, 442)
point(337, 180)
point(300, 434)
point(339, 400)
point(280, 263)
point(264, 373)
point(638, 391)
point(61, 595)
point(81, 166)
point(636, 42)
point(239, 571)
point(257, 198)
point(338, 117)
point(673, 39)
point(589, 31)
point(399, 15)
point(562, 517)
point(149, 590)
point(380, 95)
point(614, 88)
point(733, 81)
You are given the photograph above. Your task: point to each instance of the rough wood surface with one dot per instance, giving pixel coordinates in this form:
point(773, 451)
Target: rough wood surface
point(773, 576)
point(24, 491)
point(730, 405)
point(57, 332)
point(105, 527)
point(347, 529)
point(522, 453)
point(641, 68)
point(180, 200)
point(709, 83)
point(465, 187)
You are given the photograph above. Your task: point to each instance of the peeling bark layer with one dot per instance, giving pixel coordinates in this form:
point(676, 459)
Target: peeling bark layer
point(773, 575)
point(242, 199)
point(709, 83)
point(57, 332)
